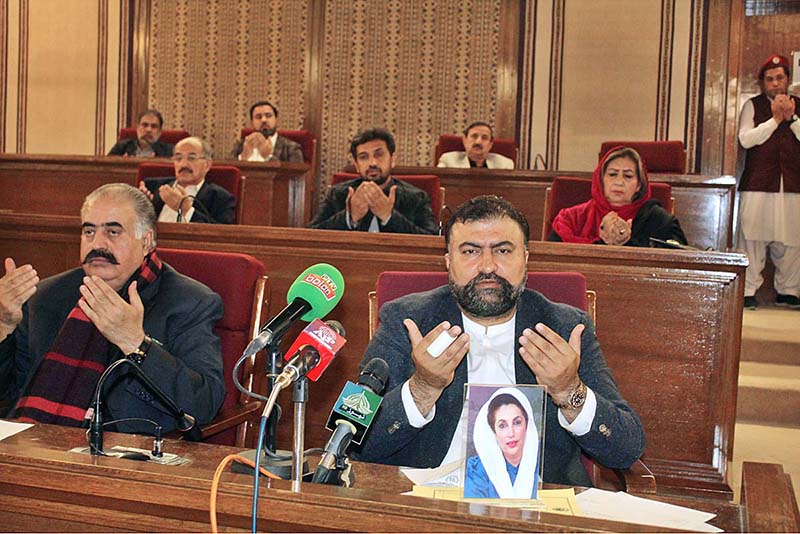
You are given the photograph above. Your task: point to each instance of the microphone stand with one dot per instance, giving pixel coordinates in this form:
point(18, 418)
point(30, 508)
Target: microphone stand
point(300, 397)
point(186, 423)
point(275, 366)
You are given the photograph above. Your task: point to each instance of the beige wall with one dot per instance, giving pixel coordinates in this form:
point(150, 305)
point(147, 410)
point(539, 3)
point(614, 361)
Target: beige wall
point(592, 70)
point(62, 67)
point(600, 70)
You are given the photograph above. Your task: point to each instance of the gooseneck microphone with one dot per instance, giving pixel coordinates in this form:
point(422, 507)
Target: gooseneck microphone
point(352, 416)
point(186, 423)
point(316, 292)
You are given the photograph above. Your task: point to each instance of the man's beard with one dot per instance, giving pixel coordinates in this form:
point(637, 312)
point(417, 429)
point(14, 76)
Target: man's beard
point(488, 302)
point(267, 132)
point(380, 180)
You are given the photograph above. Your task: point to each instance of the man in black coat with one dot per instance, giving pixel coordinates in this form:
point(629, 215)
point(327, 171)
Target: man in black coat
point(376, 202)
point(58, 335)
point(513, 336)
point(189, 197)
point(149, 124)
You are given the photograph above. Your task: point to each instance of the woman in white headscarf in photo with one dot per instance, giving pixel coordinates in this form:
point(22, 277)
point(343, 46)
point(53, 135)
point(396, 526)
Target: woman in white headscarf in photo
point(507, 443)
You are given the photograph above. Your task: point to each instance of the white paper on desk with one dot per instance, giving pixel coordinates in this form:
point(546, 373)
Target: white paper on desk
point(444, 475)
point(9, 428)
point(620, 506)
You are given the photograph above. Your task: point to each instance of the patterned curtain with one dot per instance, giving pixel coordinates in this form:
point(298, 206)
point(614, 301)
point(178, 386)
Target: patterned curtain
point(211, 59)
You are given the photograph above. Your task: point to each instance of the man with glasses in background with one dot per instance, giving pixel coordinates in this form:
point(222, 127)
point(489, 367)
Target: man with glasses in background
point(189, 197)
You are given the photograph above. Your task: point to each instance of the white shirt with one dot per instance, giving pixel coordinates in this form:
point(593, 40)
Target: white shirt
point(170, 215)
point(255, 155)
point(490, 360)
point(767, 216)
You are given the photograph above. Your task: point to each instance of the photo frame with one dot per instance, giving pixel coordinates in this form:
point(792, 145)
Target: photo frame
point(504, 461)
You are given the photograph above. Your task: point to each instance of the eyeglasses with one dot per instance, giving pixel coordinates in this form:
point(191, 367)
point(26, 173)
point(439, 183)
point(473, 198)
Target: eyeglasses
point(188, 157)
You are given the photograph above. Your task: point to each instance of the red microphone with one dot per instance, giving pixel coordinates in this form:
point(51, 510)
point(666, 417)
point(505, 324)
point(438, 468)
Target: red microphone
point(326, 337)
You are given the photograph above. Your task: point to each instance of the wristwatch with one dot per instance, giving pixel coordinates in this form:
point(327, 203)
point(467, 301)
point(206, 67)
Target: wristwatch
point(140, 353)
point(575, 399)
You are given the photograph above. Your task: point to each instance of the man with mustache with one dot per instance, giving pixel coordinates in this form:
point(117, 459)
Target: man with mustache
point(264, 143)
point(58, 335)
point(504, 334)
point(189, 197)
point(147, 144)
point(478, 141)
point(376, 201)
point(770, 184)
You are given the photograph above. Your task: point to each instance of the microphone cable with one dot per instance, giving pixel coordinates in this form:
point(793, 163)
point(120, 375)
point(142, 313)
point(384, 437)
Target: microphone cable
point(198, 205)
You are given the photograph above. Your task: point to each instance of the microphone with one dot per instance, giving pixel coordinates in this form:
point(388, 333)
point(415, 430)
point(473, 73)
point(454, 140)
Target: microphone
point(312, 352)
point(186, 423)
point(350, 419)
point(313, 294)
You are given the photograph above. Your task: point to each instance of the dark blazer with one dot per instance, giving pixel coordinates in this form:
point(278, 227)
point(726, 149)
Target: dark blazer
point(392, 440)
point(285, 150)
point(128, 146)
point(412, 212)
point(218, 201)
point(178, 311)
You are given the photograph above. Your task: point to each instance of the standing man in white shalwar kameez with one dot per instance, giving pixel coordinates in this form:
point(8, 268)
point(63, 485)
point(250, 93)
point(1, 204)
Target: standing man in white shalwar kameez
point(770, 185)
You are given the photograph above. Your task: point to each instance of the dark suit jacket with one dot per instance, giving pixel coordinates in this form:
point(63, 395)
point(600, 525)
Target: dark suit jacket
point(392, 440)
point(412, 212)
point(218, 201)
point(178, 311)
point(128, 146)
point(285, 150)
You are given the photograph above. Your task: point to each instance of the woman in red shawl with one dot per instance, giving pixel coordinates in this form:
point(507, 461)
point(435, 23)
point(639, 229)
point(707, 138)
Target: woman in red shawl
point(620, 211)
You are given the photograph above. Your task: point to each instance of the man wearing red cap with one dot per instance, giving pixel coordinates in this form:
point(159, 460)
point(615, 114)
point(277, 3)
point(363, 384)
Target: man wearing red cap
point(770, 184)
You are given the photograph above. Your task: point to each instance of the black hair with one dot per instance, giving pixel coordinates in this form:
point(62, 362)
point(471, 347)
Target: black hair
point(502, 400)
point(263, 103)
point(371, 134)
point(479, 123)
point(151, 112)
point(483, 208)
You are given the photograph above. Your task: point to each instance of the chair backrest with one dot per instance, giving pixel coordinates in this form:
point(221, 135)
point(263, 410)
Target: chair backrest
point(306, 140)
point(455, 143)
point(167, 136)
point(427, 182)
point(567, 191)
point(225, 176)
point(658, 156)
point(566, 287)
point(241, 282)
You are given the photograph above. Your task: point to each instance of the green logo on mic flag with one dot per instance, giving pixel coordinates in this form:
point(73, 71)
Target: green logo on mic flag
point(357, 404)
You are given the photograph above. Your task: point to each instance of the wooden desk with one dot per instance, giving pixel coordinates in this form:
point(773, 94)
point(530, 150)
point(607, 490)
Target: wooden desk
point(44, 488)
point(703, 204)
point(276, 194)
point(669, 322)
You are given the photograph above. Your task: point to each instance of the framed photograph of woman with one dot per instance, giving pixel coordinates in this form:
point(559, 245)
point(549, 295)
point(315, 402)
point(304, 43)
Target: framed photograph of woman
point(504, 441)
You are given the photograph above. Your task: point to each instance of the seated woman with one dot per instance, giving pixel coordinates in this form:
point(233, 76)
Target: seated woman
point(620, 211)
point(507, 443)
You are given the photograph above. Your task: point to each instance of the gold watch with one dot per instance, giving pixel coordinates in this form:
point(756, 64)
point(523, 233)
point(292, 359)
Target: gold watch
point(575, 399)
